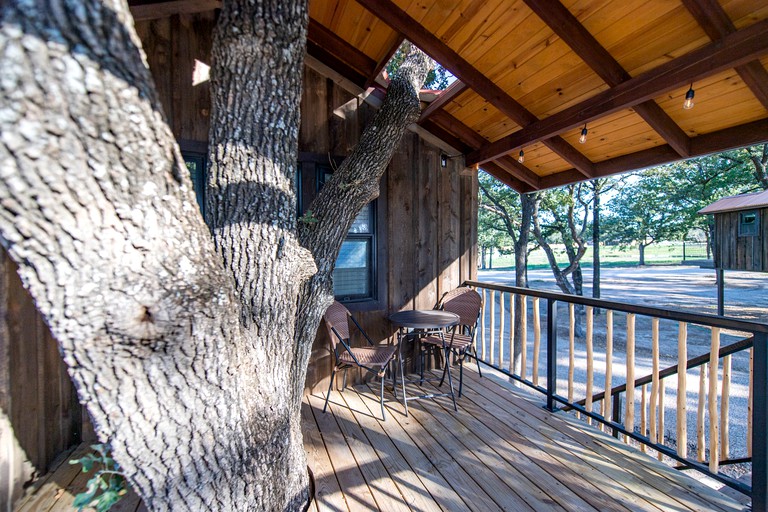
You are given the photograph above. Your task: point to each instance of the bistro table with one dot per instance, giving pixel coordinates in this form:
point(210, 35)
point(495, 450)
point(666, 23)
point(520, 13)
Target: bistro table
point(423, 322)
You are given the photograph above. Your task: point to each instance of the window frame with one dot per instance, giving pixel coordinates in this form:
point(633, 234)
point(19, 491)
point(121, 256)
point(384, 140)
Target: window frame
point(754, 227)
point(310, 171)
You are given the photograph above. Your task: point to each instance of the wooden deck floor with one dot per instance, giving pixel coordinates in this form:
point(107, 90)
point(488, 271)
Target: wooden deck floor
point(501, 451)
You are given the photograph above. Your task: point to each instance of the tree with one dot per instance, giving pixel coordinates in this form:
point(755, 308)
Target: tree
point(188, 343)
point(598, 187)
point(645, 212)
point(566, 212)
point(754, 158)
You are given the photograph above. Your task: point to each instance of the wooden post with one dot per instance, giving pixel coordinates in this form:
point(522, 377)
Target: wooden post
point(750, 401)
point(492, 337)
point(714, 424)
point(654, 379)
point(629, 421)
point(608, 363)
point(524, 340)
point(571, 350)
point(760, 424)
point(700, 441)
point(512, 333)
point(662, 388)
point(724, 409)
point(682, 359)
point(501, 329)
point(590, 361)
point(482, 326)
point(643, 418)
point(536, 340)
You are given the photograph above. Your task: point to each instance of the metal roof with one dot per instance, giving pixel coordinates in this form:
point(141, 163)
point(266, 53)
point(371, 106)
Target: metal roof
point(736, 203)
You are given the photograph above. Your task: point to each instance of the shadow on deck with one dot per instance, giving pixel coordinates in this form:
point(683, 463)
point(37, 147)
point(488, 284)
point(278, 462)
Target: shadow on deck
point(501, 451)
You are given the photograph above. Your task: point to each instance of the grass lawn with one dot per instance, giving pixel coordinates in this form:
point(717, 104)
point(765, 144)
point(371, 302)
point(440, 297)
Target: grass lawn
point(612, 256)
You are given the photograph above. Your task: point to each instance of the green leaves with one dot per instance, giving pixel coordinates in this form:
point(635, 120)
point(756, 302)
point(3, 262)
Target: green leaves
point(107, 479)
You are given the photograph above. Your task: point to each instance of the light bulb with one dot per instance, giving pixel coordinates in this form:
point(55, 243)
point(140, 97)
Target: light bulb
point(688, 103)
point(583, 137)
point(521, 158)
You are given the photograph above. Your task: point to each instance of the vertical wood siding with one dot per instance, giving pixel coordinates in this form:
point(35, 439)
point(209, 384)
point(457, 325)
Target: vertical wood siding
point(734, 252)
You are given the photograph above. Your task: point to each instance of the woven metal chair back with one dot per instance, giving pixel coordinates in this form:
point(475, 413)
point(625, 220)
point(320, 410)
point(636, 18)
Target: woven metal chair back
point(336, 321)
point(466, 304)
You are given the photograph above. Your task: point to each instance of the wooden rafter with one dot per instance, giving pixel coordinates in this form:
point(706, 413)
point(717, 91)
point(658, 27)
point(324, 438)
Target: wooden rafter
point(153, 9)
point(716, 23)
point(581, 41)
point(448, 127)
point(384, 60)
point(732, 50)
point(333, 51)
point(399, 20)
point(722, 140)
point(446, 96)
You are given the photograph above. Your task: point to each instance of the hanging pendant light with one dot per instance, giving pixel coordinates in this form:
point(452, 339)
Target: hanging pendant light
point(688, 103)
point(521, 157)
point(583, 137)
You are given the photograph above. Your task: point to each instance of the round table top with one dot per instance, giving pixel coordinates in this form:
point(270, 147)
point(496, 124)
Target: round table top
point(424, 319)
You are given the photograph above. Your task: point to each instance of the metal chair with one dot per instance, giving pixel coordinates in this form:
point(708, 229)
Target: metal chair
point(374, 358)
point(468, 304)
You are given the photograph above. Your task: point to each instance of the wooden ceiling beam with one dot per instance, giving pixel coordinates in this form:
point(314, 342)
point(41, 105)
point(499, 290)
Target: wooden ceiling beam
point(384, 60)
point(335, 52)
point(152, 9)
point(581, 41)
point(472, 140)
point(509, 178)
point(733, 50)
point(399, 20)
point(723, 140)
point(445, 97)
point(716, 23)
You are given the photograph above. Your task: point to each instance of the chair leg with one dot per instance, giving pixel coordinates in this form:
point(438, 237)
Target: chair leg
point(330, 387)
point(450, 380)
point(461, 373)
point(446, 363)
point(478, 362)
point(402, 380)
point(381, 399)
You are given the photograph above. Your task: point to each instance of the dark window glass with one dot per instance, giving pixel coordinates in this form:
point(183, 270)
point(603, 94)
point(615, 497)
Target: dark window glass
point(749, 223)
point(196, 166)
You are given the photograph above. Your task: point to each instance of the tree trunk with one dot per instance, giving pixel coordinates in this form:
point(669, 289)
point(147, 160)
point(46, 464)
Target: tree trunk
point(188, 344)
point(641, 247)
point(482, 257)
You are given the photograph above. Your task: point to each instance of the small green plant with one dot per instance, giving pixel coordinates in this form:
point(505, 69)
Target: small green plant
point(309, 218)
point(107, 485)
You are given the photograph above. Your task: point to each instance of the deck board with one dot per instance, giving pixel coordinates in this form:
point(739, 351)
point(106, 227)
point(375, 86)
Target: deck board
point(501, 451)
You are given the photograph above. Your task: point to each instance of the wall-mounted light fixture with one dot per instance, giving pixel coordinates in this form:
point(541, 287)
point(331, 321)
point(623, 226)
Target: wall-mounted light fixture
point(583, 137)
point(443, 160)
point(688, 103)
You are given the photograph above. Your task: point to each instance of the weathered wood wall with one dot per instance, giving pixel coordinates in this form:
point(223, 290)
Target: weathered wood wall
point(428, 215)
point(734, 252)
point(39, 412)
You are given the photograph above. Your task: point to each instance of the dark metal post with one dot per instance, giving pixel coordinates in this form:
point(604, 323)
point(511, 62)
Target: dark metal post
point(720, 291)
point(760, 424)
point(616, 413)
point(551, 354)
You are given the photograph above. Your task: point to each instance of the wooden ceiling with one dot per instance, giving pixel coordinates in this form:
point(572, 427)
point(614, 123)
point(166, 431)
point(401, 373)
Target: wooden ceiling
point(531, 73)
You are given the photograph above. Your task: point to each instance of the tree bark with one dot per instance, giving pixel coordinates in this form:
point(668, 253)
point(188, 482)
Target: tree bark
point(641, 247)
point(188, 343)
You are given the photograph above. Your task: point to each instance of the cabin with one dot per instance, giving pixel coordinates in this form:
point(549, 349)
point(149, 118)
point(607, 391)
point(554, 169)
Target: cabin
point(533, 78)
point(741, 232)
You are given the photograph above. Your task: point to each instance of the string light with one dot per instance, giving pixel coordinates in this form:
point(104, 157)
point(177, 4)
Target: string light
point(521, 158)
point(583, 137)
point(688, 103)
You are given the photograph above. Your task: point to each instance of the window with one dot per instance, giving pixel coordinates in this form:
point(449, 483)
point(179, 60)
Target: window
point(749, 223)
point(354, 275)
point(195, 155)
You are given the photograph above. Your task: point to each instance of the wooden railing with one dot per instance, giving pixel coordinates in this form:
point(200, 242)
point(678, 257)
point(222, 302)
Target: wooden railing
point(602, 368)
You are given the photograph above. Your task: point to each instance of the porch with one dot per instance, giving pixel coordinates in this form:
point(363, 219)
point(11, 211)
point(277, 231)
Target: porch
point(502, 450)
